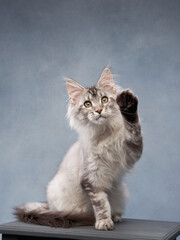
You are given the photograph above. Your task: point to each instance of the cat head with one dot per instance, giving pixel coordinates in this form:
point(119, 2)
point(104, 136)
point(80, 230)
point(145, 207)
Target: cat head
point(95, 105)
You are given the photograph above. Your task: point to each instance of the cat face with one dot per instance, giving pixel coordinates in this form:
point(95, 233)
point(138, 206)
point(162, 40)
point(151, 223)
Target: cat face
point(94, 105)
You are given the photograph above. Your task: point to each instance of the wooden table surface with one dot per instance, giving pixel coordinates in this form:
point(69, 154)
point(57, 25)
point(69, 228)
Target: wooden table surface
point(127, 230)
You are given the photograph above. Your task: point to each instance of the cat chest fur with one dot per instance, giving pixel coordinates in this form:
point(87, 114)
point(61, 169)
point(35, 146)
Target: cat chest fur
point(110, 148)
point(105, 161)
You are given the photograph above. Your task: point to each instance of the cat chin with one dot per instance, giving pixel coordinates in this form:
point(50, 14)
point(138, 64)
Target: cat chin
point(99, 121)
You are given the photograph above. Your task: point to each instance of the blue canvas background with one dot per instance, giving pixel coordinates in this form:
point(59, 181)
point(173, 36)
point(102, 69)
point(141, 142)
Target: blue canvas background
point(43, 40)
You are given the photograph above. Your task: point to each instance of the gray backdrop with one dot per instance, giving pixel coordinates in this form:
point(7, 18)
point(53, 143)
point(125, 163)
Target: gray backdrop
point(43, 40)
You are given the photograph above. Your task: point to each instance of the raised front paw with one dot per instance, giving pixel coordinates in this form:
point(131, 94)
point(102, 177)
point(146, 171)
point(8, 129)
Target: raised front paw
point(104, 224)
point(128, 103)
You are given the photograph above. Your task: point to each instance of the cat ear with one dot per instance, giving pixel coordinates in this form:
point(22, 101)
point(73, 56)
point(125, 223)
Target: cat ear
point(74, 89)
point(106, 80)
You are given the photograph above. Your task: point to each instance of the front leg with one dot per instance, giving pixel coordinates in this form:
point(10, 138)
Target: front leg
point(100, 204)
point(133, 143)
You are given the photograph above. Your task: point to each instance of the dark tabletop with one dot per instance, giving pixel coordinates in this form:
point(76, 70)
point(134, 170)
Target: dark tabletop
point(128, 229)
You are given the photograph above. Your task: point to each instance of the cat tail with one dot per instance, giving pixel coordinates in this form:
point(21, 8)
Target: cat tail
point(39, 213)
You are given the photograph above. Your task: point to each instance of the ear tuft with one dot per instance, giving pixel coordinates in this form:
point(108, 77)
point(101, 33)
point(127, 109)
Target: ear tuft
point(74, 89)
point(106, 80)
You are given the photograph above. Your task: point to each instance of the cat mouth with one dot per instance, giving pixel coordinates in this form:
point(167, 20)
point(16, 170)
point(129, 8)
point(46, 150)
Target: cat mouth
point(100, 116)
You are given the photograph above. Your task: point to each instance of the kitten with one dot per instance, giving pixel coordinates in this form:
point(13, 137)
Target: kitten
point(88, 187)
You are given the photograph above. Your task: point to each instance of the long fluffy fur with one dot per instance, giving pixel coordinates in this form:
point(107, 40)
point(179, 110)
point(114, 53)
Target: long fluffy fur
point(88, 186)
point(54, 219)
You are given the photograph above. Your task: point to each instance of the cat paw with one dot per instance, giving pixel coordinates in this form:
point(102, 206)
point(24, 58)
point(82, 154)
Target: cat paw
point(104, 224)
point(128, 103)
point(117, 218)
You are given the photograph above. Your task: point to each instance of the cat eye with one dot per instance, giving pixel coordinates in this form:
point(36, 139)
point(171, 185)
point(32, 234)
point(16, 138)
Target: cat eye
point(104, 99)
point(87, 104)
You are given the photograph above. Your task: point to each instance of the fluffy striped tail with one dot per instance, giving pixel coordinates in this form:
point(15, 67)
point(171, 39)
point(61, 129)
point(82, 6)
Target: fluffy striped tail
point(39, 213)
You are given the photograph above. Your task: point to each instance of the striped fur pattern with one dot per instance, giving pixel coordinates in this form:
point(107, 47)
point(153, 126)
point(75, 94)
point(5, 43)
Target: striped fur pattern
point(54, 218)
point(88, 187)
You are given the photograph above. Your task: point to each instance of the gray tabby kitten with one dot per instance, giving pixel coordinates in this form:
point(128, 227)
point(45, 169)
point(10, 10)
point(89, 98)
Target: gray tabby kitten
point(88, 186)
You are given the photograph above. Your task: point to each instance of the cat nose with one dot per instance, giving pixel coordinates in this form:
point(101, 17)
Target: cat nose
point(99, 111)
